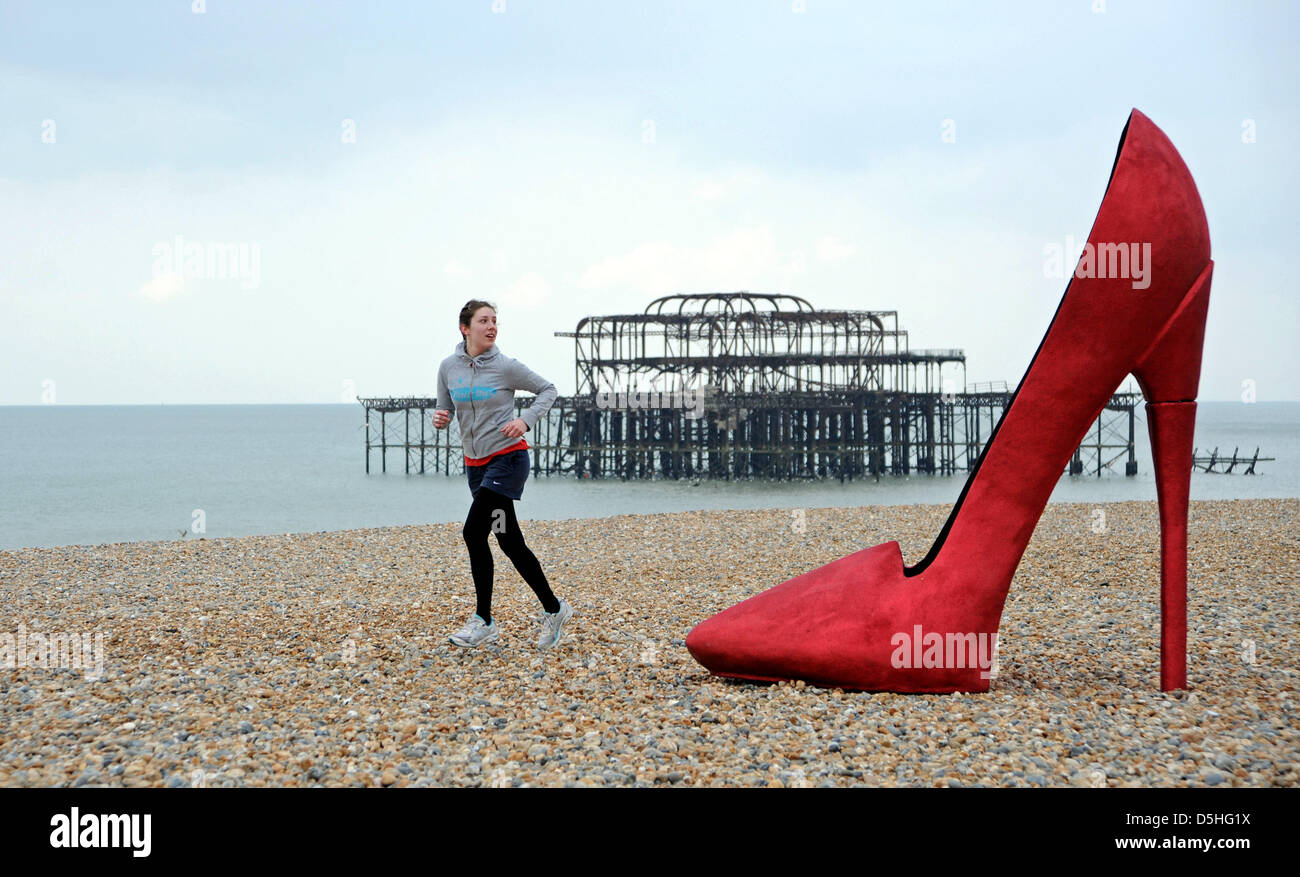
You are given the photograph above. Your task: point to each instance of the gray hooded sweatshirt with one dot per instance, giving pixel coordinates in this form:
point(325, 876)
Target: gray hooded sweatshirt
point(481, 393)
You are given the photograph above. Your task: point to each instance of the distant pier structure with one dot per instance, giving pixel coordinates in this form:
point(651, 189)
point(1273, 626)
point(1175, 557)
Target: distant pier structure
point(1214, 458)
point(741, 385)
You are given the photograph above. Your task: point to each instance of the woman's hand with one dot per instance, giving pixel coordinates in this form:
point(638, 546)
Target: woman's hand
point(441, 417)
point(515, 428)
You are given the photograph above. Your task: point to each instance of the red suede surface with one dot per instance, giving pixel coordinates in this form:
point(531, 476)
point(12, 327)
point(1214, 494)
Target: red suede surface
point(834, 625)
point(1172, 425)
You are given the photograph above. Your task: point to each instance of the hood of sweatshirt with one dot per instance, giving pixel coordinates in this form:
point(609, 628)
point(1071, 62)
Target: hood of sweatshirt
point(486, 357)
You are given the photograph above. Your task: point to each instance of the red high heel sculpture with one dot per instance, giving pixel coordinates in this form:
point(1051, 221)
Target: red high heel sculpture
point(864, 621)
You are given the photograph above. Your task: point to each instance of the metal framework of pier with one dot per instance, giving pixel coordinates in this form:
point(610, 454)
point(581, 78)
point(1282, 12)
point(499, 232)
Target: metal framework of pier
point(741, 385)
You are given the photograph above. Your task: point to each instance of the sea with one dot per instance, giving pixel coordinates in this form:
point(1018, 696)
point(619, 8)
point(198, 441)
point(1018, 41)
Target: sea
point(88, 475)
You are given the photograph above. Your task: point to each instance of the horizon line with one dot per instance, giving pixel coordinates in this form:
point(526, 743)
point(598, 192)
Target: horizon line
point(233, 404)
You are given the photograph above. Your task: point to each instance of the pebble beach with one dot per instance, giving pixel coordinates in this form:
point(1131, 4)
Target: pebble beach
point(322, 660)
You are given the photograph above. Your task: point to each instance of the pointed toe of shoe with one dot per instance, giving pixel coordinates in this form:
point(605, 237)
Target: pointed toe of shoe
point(714, 644)
point(739, 643)
point(830, 626)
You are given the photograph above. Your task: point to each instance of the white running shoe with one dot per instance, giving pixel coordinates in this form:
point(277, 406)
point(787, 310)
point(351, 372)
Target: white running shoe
point(552, 623)
point(475, 633)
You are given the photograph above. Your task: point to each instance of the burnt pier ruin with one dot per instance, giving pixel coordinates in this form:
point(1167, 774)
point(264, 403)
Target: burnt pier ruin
point(743, 385)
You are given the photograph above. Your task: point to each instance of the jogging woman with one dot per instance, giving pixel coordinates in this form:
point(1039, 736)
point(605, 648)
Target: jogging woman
point(477, 383)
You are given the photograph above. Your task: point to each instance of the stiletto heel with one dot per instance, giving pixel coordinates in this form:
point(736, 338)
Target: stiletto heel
point(866, 621)
point(1171, 425)
point(1169, 375)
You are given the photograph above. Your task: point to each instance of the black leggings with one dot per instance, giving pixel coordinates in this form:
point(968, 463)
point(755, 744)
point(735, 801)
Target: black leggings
point(493, 513)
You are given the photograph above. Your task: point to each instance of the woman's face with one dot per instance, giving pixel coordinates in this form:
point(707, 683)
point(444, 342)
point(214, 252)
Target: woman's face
point(481, 333)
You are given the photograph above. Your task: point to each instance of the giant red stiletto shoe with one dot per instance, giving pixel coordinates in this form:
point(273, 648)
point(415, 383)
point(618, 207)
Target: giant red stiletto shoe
point(866, 622)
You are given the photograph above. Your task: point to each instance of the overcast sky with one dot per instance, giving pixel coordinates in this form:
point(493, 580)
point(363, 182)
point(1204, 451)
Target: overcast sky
point(373, 165)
